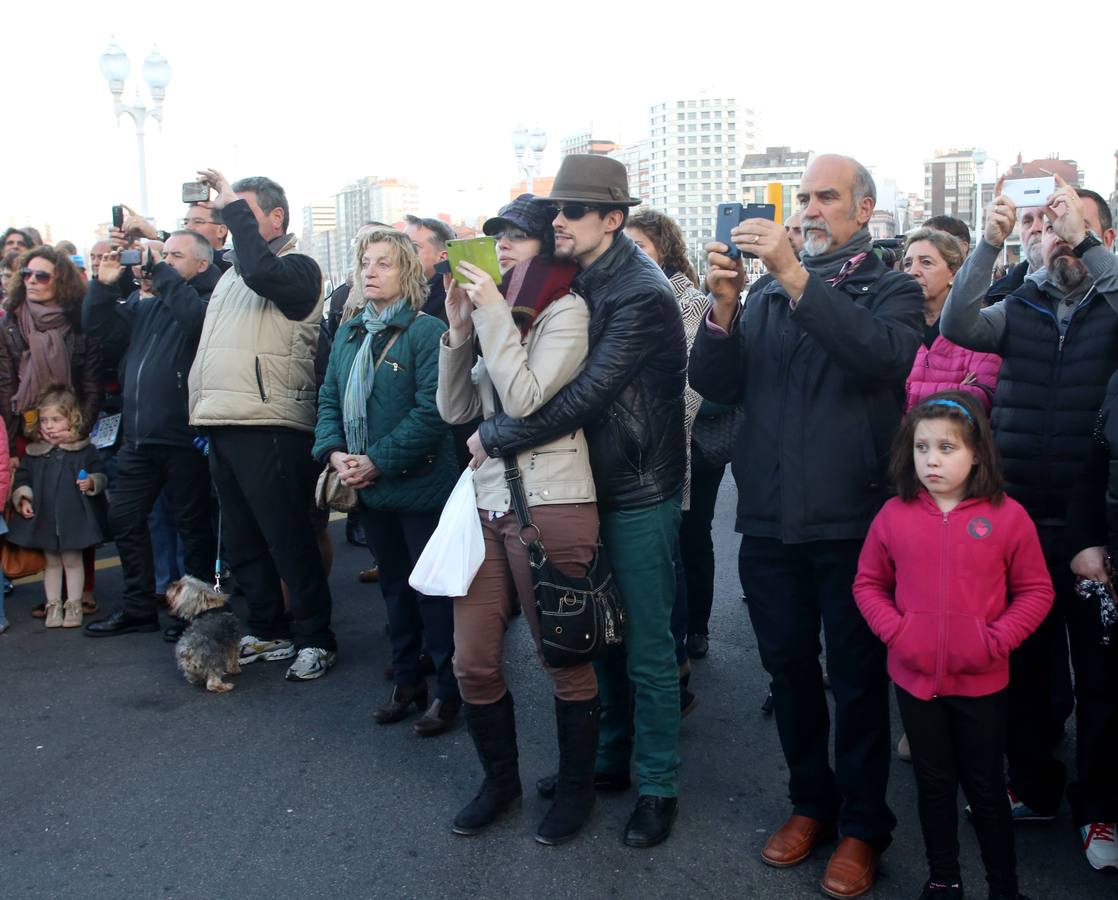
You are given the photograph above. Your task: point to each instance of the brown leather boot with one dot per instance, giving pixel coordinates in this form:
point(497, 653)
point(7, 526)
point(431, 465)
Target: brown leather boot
point(793, 842)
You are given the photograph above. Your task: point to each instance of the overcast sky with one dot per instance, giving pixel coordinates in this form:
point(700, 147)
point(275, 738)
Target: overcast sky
point(317, 94)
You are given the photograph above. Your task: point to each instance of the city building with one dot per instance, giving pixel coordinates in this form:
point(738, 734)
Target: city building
point(692, 161)
point(637, 159)
point(780, 165)
point(949, 186)
point(540, 186)
point(1067, 169)
point(390, 199)
point(584, 142)
point(319, 236)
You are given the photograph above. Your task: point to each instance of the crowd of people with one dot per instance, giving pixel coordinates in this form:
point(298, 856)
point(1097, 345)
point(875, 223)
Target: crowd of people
point(926, 464)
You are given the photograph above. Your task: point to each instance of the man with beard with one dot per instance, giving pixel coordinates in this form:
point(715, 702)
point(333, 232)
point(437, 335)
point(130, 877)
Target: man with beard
point(818, 359)
point(1057, 335)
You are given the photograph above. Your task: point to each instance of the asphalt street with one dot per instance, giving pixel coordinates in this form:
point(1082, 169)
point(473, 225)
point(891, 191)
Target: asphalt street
point(120, 780)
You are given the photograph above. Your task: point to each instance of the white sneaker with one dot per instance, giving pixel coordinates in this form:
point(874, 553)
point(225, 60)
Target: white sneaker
point(252, 648)
point(311, 663)
point(1099, 840)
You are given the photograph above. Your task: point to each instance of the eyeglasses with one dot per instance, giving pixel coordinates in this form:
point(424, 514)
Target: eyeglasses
point(572, 211)
point(512, 234)
point(197, 222)
point(37, 275)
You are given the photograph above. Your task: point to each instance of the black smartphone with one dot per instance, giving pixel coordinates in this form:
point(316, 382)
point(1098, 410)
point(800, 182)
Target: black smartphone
point(729, 217)
point(118, 217)
point(443, 267)
point(195, 192)
point(130, 257)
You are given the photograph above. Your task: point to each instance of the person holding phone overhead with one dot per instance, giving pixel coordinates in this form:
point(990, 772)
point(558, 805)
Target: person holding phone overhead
point(1057, 335)
point(512, 347)
point(818, 357)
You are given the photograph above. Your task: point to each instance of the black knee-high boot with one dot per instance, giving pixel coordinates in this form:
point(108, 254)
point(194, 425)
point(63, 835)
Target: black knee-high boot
point(577, 722)
point(493, 729)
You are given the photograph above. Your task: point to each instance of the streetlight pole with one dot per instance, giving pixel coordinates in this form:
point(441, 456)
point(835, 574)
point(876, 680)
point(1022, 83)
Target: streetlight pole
point(979, 164)
point(534, 140)
point(115, 66)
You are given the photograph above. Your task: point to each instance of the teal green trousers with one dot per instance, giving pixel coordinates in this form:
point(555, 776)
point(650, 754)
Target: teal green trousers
point(639, 681)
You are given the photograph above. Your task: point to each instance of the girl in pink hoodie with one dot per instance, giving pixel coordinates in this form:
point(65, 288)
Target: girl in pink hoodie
point(952, 579)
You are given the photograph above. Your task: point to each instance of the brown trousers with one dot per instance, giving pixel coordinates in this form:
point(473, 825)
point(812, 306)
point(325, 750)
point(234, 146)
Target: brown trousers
point(570, 534)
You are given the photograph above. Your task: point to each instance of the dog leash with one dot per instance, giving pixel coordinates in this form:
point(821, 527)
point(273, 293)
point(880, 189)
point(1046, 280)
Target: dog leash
point(217, 558)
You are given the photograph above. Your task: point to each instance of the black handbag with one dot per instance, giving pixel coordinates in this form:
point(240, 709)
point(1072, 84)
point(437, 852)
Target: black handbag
point(579, 617)
point(712, 434)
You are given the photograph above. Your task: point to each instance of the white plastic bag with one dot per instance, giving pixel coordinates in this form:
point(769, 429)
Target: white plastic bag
point(449, 562)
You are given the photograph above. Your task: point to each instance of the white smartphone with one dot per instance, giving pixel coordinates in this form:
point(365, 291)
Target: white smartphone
point(1029, 191)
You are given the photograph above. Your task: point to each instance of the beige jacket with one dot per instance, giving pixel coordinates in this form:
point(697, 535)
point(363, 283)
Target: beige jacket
point(254, 366)
point(527, 375)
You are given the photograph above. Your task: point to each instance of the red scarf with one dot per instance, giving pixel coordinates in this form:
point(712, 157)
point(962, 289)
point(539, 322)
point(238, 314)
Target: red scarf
point(531, 286)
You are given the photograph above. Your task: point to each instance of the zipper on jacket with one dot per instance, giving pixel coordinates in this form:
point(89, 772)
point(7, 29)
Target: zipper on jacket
point(139, 372)
point(941, 643)
point(260, 381)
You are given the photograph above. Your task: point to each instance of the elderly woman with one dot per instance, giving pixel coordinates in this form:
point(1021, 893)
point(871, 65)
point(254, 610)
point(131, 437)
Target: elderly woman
point(516, 346)
point(380, 429)
point(933, 257)
point(41, 343)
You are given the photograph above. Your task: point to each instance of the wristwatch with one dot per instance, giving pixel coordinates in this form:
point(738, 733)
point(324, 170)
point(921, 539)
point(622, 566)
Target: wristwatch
point(1091, 240)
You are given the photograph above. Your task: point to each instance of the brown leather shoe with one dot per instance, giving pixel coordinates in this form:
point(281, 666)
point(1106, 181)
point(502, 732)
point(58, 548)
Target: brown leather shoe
point(793, 842)
point(402, 698)
point(368, 576)
point(852, 869)
point(439, 717)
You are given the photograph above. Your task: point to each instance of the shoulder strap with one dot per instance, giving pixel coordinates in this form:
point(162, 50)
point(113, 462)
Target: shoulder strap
point(518, 500)
point(387, 347)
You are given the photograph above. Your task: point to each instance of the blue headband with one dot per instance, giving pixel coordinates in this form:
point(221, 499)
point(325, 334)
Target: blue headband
point(954, 403)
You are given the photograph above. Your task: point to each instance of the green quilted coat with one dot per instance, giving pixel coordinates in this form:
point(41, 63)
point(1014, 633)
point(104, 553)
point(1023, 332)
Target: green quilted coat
point(408, 441)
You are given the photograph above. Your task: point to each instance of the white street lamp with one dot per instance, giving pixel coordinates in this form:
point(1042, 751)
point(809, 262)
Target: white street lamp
point(979, 157)
point(115, 66)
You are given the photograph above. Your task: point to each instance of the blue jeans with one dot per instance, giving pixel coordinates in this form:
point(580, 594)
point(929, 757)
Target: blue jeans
point(166, 547)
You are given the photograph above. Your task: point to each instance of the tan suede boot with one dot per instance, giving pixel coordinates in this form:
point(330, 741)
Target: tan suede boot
point(54, 614)
point(72, 617)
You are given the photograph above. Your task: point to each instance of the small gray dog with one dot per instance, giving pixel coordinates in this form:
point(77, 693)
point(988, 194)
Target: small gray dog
point(207, 649)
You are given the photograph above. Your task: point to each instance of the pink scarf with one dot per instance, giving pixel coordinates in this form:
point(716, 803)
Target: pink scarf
point(46, 360)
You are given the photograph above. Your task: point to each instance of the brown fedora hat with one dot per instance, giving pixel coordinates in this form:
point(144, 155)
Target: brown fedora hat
point(586, 178)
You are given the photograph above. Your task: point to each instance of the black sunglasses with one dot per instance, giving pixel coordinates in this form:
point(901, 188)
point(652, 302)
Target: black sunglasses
point(572, 211)
point(38, 274)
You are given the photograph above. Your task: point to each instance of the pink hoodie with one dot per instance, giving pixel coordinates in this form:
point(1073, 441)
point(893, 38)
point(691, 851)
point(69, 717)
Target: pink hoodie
point(951, 594)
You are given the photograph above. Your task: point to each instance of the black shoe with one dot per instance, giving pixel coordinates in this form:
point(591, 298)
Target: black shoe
point(120, 623)
point(173, 632)
point(607, 782)
point(698, 645)
point(492, 727)
point(651, 822)
point(687, 702)
point(439, 717)
point(577, 722)
point(767, 706)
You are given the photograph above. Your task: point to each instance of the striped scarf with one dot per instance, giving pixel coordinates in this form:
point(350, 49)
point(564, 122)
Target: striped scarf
point(361, 373)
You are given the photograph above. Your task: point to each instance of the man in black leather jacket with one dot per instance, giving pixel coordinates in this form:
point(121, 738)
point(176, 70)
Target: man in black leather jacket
point(818, 359)
point(629, 401)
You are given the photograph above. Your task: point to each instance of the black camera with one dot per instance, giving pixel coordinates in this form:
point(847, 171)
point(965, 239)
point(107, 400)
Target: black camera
point(130, 257)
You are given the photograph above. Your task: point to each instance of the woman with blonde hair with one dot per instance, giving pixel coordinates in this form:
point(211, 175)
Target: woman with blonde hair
point(379, 427)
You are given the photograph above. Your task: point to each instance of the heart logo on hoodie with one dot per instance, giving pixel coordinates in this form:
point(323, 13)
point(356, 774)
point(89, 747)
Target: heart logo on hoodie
point(979, 527)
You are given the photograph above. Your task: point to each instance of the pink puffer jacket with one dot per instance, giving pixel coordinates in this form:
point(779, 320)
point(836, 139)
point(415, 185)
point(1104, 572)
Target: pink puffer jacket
point(945, 366)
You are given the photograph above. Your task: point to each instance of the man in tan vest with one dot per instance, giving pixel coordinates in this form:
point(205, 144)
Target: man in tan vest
point(252, 389)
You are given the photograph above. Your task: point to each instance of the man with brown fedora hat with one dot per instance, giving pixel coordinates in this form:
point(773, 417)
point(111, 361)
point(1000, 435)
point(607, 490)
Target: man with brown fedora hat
point(628, 399)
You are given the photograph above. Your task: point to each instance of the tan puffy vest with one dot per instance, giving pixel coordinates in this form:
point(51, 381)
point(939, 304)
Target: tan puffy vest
point(254, 365)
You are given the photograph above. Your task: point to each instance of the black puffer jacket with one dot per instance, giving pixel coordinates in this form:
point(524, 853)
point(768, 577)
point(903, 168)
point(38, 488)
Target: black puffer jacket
point(629, 396)
point(822, 388)
point(163, 338)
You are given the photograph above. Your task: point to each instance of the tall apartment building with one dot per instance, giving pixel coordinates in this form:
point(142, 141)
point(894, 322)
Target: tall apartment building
point(390, 199)
point(352, 207)
point(781, 165)
point(1067, 169)
point(319, 236)
point(693, 152)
